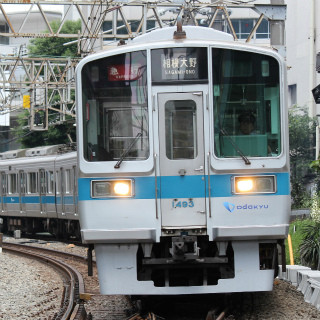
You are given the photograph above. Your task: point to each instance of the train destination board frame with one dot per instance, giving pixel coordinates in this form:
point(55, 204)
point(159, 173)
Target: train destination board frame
point(179, 65)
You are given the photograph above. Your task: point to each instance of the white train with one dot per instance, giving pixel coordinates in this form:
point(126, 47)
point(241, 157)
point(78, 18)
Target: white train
point(182, 165)
point(176, 196)
point(39, 191)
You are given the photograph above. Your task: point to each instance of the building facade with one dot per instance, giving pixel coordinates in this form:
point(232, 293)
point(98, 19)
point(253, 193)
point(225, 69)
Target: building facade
point(303, 44)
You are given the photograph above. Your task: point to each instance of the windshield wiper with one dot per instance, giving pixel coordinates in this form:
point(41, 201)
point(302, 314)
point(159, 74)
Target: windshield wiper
point(241, 154)
point(117, 165)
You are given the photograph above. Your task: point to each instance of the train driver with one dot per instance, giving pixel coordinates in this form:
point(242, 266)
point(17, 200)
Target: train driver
point(247, 123)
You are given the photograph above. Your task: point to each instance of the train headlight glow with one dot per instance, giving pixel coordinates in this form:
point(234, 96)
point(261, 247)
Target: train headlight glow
point(112, 188)
point(254, 184)
point(121, 188)
point(244, 185)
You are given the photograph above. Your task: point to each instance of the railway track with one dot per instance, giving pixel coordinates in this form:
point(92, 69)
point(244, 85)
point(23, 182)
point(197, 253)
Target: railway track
point(77, 296)
point(212, 315)
point(194, 307)
point(266, 306)
point(72, 306)
point(97, 306)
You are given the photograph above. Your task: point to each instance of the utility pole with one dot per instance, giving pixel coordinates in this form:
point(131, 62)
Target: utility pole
point(316, 90)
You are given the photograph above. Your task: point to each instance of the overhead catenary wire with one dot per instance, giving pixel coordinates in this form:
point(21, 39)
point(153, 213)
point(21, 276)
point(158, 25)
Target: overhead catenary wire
point(92, 32)
point(16, 138)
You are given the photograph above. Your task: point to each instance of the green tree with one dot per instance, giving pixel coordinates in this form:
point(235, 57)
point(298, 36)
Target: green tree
point(310, 245)
point(53, 47)
point(58, 134)
point(49, 47)
point(302, 142)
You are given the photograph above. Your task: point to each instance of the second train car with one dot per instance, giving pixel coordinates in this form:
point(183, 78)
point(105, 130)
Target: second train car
point(38, 191)
point(176, 196)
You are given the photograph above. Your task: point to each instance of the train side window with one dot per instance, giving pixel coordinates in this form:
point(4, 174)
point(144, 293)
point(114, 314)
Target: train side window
point(13, 183)
point(181, 131)
point(50, 182)
point(23, 182)
point(62, 181)
point(3, 183)
point(33, 182)
point(58, 188)
point(42, 182)
point(67, 181)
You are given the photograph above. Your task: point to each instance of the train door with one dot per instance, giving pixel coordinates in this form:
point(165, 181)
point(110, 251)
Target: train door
point(43, 191)
point(182, 181)
point(22, 190)
point(3, 191)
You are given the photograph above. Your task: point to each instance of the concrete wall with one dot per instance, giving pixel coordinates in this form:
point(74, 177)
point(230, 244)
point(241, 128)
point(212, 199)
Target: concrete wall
point(303, 43)
point(34, 23)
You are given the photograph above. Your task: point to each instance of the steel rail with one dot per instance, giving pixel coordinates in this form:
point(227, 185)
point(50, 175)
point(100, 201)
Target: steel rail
point(71, 306)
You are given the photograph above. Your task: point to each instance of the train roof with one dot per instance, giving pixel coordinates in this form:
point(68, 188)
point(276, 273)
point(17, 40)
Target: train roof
point(37, 151)
point(192, 33)
point(12, 154)
point(43, 151)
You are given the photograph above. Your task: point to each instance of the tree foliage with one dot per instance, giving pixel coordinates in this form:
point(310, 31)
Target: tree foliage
point(53, 47)
point(58, 134)
point(310, 245)
point(49, 47)
point(302, 142)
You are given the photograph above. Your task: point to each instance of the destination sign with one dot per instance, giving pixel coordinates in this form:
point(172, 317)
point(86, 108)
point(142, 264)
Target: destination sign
point(124, 72)
point(179, 64)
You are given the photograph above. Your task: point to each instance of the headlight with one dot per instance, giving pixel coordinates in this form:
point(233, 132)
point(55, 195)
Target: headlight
point(121, 188)
point(254, 184)
point(244, 185)
point(111, 188)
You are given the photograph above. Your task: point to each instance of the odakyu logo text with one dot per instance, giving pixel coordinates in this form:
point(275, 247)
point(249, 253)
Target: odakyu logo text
point(231, 207)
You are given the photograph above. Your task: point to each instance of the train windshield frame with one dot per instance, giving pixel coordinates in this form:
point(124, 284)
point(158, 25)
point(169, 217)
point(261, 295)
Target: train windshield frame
point(115, 108)
point(246, 102)
point(242, 86)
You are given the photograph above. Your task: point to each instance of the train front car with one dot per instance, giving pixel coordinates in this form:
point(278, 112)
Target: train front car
point(182, 147)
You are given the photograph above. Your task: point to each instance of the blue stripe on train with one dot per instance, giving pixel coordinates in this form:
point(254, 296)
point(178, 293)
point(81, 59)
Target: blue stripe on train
point(35, 199)
point(169, 186)
point(182, 187)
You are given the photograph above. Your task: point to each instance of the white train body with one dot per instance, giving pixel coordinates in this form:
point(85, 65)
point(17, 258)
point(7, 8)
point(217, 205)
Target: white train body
point(173, 196)
point(159, 117)
point(39, 191)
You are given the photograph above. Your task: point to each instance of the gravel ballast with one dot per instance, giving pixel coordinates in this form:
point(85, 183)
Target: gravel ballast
point(29, 290)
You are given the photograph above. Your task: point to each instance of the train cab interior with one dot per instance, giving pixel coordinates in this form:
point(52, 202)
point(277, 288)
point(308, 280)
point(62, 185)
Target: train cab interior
point(117, 109)
point(246, 95)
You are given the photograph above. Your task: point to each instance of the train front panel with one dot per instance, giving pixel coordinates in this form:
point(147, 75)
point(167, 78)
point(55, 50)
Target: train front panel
point(175, 197)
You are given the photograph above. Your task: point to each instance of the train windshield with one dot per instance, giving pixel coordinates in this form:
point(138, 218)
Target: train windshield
point(246, 104)
point(115, 110)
